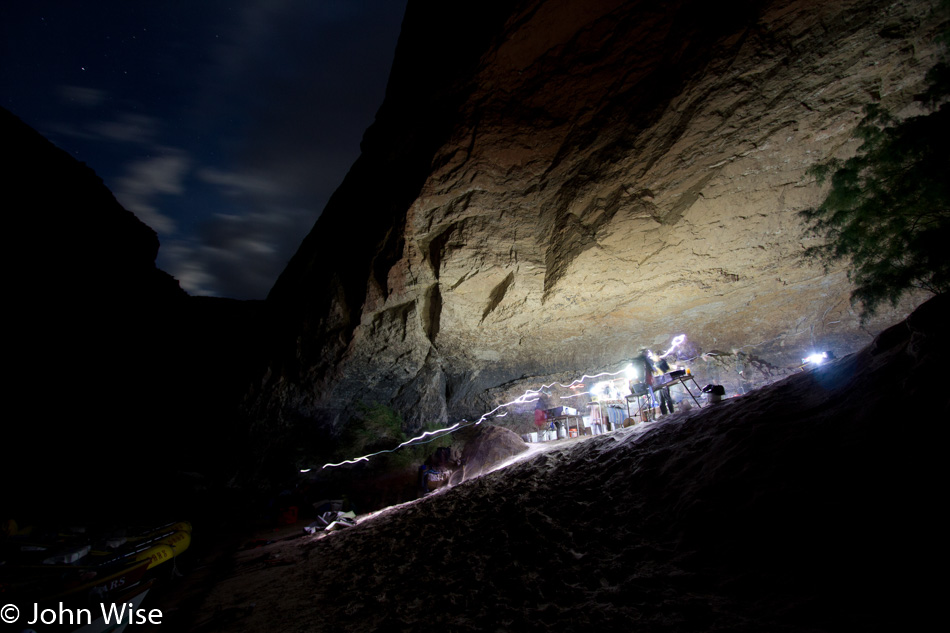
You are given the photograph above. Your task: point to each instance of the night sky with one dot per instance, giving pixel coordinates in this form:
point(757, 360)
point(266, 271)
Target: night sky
point(225, 126)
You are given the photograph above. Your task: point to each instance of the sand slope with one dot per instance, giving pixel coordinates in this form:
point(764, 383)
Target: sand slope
point(804, 506)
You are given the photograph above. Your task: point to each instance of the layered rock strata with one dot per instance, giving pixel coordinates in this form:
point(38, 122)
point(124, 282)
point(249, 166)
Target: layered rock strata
point(550, 187)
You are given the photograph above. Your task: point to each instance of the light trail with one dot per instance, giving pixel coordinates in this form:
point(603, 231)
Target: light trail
point(677, 341)
point(365, 458)
point(528, 397)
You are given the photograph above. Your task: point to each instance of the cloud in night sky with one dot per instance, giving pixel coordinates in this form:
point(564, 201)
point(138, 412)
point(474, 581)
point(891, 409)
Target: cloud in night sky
point(89, 97)
point(225, 126)
point(214, 262)
point(128, 128)
point(148, 179)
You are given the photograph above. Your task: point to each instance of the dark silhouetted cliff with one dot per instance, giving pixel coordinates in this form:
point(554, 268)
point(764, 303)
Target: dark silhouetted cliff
point(115, 378)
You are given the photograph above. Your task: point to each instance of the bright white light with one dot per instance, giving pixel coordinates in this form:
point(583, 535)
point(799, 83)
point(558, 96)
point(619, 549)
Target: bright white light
point(631, 372)
point(305, 470)
point(816, 358)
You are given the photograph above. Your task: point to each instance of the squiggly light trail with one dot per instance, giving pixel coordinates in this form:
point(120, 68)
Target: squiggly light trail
point(365, 458)
point(528, 397)
point(525, 398)
point(676, 343)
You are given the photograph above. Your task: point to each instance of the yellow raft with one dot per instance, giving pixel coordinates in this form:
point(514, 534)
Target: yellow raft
point(164, 544)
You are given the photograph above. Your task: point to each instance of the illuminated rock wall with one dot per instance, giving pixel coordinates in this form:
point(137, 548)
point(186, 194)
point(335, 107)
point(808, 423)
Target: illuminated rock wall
point(548, 189)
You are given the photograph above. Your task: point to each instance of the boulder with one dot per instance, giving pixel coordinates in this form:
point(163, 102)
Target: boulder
point(487, 445)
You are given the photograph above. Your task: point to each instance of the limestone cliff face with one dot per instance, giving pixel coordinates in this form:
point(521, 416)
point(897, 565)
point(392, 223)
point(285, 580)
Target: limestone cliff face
point(548, 188)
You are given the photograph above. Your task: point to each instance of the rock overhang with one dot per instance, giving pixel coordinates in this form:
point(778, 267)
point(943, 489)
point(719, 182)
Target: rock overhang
point(619, 174)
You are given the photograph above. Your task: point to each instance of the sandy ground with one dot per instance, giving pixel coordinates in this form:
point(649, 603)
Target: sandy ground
point(802, 506)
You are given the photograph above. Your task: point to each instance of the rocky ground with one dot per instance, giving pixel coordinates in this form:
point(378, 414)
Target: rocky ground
point(803, 506)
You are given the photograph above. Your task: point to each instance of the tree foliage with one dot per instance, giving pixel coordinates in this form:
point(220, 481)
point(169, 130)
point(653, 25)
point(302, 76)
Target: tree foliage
point(374, 427)
point(888, 209)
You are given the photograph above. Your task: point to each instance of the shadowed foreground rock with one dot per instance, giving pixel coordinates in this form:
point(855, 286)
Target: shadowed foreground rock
point(807, 505)
point(117, 378)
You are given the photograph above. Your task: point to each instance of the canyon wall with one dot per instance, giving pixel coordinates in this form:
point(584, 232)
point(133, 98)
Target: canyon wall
point(119, 379)
point(551, 185)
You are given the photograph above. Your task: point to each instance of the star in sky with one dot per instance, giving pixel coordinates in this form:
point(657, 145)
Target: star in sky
point(225, 126)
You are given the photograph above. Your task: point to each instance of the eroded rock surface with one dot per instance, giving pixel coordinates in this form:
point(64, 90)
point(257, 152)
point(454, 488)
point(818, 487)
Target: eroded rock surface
point(487, 446)
point(550, 187)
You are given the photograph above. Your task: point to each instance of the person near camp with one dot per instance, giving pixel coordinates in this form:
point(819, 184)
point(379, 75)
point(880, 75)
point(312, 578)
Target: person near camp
point(645, 365)
point(438, 469)
point(430, 478)
point(666, 401)
point(540, 417)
